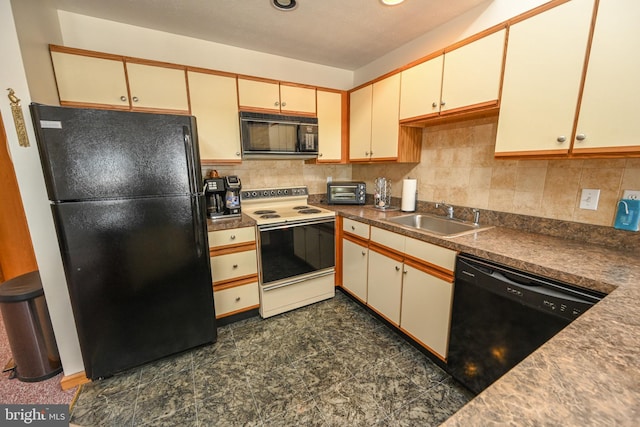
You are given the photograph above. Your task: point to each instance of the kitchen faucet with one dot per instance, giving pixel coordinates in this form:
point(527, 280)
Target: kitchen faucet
point(449, 209)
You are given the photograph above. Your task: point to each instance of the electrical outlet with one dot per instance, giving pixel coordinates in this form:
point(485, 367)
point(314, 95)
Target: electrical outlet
point(589, 199)
point(631, 194)
point(329, 179)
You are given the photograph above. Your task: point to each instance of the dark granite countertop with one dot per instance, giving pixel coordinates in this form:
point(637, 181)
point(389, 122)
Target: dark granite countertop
point(226, 223)
point(588, 373)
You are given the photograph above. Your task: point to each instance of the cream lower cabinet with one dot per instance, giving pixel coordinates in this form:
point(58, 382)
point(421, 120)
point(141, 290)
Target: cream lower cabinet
point(214, 103)
point(426, 308)
point(234, 270)
point(407, 281)
point(355, 265)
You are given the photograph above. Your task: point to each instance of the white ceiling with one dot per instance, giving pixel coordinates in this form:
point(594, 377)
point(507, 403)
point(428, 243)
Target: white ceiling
point(346, 34)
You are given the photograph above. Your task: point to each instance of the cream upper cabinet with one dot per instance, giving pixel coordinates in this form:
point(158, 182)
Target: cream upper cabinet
point(420, 89)
point(472, 73)
point(608, 118)
point(543, 69)
point(329, 126)
point(214, 103)
point(296, 99)
point(384, 118)
point(274, 96)
point(157, 87)
point(90, 80)
point(374, 127)
point(360, 123)
point(465, 77)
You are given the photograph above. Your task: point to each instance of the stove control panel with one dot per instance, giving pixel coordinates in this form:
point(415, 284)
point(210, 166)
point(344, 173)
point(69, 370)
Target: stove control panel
point(270, 193)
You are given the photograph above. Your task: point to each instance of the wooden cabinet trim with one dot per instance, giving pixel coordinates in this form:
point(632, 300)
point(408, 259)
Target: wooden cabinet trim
point(84, 52)
point(432, 351)
point(353, 238)
point(241, 310)
point(388, 252)
point(228, 284)
point(233, 248)
point(235, 281)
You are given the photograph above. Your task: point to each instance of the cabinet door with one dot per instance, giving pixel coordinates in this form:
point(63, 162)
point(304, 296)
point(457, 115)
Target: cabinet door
point(258, 94)
point(420, 89)
point(360, 123)
point(329, 126)
point(608, 118)
point(384, 118)
point(214, 103)
point(295, 99)
point(385, 285)
point(90, 80)
point(426, 309)
point(544, 63)
point(153, 87)
point(355, 261)
point(472, 73)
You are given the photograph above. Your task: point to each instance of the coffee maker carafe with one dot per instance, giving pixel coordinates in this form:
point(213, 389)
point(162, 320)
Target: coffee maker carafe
point(232, 195)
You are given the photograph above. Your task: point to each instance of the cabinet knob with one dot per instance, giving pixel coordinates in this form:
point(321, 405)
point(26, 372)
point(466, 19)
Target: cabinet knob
point(363, 253)
point(434, 104)
point(366, 153)
point(581, 137)
point(235, 265)
point(135, 99)
point(397, 268)
point(238, 153)
point(405, 272)
point(561, 139)
point(284, 104)
point(442, 103)
point(353, 227)
point(319, 154)
point(237, 299)
point(233, 237)
point(276, 104)
point(123, 98)
point(371, 153)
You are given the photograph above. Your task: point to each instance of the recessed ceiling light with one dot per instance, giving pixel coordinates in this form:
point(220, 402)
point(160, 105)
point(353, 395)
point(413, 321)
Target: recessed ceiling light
point(391, 2)
point(284, 4)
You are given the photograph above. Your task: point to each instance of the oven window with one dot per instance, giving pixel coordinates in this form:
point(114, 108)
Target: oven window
point(295, 250)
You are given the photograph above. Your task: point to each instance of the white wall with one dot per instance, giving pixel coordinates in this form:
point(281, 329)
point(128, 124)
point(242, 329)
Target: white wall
point(112, 37)
point(472, 22)
point(34, 198)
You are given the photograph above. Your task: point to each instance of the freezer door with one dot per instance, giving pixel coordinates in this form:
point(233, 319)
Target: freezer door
point(139, 279)
point(91, 154)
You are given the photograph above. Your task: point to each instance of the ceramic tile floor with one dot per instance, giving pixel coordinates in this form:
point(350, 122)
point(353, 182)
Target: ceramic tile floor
point(328, 364)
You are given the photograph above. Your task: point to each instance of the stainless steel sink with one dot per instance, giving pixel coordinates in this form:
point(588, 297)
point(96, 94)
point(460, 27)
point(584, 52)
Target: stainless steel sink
point(442, 226)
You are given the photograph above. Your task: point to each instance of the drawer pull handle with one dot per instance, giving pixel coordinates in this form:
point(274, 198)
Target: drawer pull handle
point(235, 265)
point(233, 237)
point(363, 253)
point(237, 299)
point(353, 227)
point(397, 268)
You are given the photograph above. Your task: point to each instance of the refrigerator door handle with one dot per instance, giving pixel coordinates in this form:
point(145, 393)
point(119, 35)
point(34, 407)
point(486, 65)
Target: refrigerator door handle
point(194, 186)
point(197, 224)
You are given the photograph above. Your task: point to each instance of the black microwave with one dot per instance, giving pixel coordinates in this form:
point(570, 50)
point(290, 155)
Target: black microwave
point(346, 193)
point(269, 136)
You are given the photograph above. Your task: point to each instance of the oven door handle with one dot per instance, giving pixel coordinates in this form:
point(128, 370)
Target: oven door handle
point(293, 282)
point(278, 226)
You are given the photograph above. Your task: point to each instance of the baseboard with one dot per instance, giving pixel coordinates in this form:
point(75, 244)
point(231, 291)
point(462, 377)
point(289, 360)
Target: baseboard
point(71, 381)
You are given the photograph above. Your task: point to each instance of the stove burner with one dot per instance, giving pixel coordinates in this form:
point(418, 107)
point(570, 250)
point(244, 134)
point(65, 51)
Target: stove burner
point(300, 207)
point(309, 211)
point(269, 216)
point(264, 211)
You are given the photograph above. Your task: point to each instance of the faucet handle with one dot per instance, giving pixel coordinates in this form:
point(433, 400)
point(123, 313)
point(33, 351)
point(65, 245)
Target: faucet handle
point(476, 216)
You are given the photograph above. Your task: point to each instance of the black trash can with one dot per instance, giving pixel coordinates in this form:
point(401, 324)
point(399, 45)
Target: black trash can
point(26, 320)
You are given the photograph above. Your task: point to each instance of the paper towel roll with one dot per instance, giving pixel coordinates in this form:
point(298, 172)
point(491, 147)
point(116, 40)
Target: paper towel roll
point(409, 188)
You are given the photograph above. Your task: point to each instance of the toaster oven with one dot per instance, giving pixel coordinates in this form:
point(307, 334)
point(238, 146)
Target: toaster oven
point(346, 193)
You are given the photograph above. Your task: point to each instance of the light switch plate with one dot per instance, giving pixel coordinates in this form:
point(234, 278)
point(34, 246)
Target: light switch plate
point(589, 199)
point(631, 194)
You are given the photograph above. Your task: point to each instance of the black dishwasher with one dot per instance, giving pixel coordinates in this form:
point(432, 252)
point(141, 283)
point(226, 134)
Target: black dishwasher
point(500, 315)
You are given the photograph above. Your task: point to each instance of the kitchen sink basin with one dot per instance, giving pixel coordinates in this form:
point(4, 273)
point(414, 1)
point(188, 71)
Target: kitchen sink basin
point(442, 226)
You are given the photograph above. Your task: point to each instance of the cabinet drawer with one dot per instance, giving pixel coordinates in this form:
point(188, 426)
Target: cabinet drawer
point(428, 252)
point(355, 227)
point(232, 236)
point(388, 238)
point(238, 264)
point(236, 299)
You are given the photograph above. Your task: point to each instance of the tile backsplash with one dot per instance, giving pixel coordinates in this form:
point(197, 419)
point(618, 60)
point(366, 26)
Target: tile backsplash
point(458, 166)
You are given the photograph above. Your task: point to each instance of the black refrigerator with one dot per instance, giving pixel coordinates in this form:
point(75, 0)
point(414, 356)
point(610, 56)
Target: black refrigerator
point(127, 202)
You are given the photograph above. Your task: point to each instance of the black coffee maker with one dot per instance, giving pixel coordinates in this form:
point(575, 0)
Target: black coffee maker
point(223, 196)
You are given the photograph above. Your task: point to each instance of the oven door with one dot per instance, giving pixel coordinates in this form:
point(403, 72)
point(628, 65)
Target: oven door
point(292, 251)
